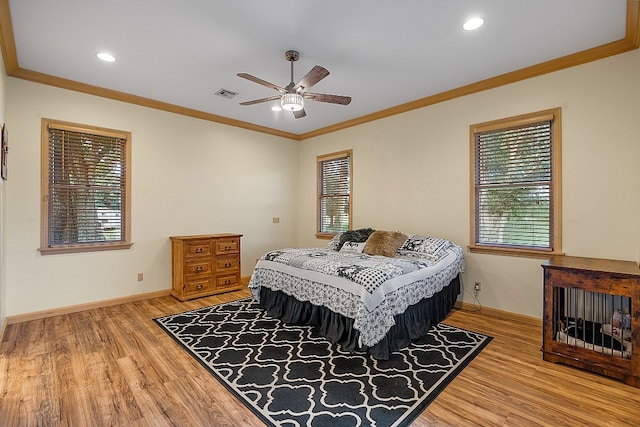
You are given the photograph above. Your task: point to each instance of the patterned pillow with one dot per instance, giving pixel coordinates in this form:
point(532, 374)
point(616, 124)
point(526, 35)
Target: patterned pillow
point(334, 244)
point(359, 235)
point(425, 247)
point(354, 247)
point(384, 243)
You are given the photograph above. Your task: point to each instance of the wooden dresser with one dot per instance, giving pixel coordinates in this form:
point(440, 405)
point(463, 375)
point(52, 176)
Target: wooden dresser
point(205, 264)
point(574, 287)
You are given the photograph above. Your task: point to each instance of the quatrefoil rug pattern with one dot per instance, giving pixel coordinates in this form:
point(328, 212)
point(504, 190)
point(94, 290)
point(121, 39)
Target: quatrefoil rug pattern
point(290, 376)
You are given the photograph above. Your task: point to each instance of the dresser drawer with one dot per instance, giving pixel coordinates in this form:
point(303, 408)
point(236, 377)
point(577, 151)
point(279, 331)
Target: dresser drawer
point(229, 245)
point(198, 266)
point(228, 263)
point(227, 281)
point(195, 248)
point(194, 287)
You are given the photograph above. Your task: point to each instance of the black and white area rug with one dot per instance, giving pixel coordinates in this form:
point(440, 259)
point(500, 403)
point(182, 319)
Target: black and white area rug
point(289, 376)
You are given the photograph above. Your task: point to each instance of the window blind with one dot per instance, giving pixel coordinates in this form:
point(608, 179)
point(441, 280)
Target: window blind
point(334, 194)
point(87, 187)
point(513, 186)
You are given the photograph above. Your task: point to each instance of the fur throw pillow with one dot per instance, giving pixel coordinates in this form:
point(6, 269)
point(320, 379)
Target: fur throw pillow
point(356, 236)
point(384, 243)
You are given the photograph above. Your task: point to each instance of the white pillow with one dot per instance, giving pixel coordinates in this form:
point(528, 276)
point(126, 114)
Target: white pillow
point(354, 247)
point(335, 242)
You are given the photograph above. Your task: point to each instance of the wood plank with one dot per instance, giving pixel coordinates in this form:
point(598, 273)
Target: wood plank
point(114, 366)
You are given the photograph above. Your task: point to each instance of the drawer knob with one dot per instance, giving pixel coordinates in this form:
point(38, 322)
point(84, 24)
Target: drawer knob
point(228, 264)
point(199, 268)
point(199, 250)
point(227, 248)
point(198, 287)
point(226, 282)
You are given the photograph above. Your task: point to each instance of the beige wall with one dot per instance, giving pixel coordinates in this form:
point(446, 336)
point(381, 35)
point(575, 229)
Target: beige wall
point(188, 177)
point(411, 172)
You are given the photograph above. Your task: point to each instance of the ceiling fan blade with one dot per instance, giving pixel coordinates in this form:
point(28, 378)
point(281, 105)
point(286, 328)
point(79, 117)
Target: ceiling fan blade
point(258, 101)
point(316, 74)
point(299, 114)
point(261, 82)
point(323, 97)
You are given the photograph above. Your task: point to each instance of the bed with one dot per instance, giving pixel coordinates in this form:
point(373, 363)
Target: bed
point(368, 291)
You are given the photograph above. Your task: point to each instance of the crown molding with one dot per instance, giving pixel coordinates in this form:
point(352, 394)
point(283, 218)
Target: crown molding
point(630, 42)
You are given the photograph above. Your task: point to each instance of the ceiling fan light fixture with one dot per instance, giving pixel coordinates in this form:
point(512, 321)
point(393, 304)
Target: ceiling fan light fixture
point(292, 102)
point(292, 96)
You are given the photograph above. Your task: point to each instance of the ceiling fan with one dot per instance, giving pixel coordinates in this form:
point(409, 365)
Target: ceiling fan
point(292, 96)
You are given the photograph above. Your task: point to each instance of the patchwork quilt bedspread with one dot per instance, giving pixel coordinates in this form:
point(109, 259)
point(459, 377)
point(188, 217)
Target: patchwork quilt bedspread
point(369, 289)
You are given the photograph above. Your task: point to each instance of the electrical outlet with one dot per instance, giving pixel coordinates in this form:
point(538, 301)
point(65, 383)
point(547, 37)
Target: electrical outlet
point(140, 277)
point(477, 287)
point(276, 220)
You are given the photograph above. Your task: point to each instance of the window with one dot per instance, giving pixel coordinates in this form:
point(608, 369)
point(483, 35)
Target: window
point(515, 188)
point(86, 196)
point(334, 193)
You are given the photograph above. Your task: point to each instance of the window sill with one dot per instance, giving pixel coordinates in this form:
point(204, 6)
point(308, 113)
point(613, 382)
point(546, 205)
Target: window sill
point(526, 253)
point(327, 236)
point(95, 247)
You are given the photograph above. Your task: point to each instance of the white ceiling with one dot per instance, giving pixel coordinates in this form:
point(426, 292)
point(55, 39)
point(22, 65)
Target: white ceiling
point(381, 53)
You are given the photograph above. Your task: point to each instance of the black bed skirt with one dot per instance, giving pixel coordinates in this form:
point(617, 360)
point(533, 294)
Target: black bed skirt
point(411, 325)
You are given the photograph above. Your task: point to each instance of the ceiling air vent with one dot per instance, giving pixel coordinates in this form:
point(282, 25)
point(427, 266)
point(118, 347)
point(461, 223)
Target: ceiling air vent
point(226, 93)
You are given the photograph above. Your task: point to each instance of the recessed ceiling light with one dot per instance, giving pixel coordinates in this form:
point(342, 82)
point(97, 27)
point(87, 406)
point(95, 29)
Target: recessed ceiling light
point(473, 24)
point(106, 57)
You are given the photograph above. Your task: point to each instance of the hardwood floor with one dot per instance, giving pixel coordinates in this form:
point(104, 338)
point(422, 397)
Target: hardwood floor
point(113, 366)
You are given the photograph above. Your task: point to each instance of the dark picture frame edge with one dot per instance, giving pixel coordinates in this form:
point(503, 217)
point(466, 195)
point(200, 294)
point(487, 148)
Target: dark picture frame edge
point(4, 149)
